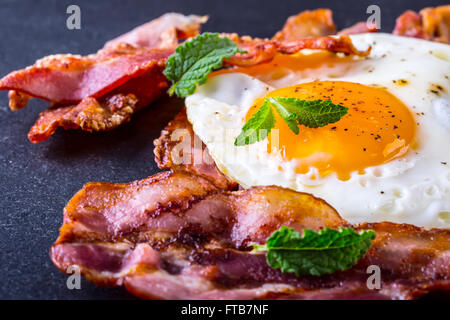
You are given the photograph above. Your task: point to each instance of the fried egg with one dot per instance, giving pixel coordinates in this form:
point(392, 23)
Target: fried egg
point(388, 159)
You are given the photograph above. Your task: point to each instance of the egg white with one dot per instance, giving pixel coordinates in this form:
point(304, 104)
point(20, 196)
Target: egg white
point(414, 189)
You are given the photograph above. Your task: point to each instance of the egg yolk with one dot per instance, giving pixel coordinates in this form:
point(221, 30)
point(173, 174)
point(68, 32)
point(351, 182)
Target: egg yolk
point(377, 129)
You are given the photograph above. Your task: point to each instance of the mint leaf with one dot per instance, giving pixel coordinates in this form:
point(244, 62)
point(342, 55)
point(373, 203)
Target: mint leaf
point(295, 112)
point(312, 113)
point(195, 59)
point(257, 127)
point(315, 253)
point(287, 113)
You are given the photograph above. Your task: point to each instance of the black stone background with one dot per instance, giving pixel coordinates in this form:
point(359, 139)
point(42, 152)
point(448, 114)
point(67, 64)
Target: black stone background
point(36, 181)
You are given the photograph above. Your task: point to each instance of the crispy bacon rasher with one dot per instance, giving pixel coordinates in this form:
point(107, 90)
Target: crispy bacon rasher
point(68, 78)
point(106, 112)
point(317, 23)
point(430, 24)
point(177, 236)
point(81, 88)
point(308, 23)
point(264, 50)
point(169, 152)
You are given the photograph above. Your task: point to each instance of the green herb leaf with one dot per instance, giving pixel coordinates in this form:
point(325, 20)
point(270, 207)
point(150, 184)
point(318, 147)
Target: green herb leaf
point(295, 112)
point(195, 59)
point(287, 113)
point(311, 113)
point(257, 127)
point(316, 253)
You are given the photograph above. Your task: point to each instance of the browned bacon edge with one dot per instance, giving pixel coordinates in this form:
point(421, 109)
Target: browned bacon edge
point(169, 154)
point(177, 236)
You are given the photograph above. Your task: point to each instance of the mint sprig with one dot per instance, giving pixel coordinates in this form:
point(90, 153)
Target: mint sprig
point(311, 113)
point(315, 253)
point(294, 112)
point(189, 66)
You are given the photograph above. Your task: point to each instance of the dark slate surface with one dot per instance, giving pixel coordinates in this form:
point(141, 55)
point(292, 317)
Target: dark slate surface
point(37, 180)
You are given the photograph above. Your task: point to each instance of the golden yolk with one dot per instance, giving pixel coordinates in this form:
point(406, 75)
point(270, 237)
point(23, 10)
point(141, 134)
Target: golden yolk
point(377, 129)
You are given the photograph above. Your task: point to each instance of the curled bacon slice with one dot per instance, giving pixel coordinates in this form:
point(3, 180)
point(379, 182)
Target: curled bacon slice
point(409, 24)
point(177, 236)
point(308, 23)
point(163, 32)
point(68, 78)
point(89, 115)
point(264, 50)
point(436, 23)
point(430, 24)
point(179, 149)
point(100, 91)
point(317, 23)
point(105, 113)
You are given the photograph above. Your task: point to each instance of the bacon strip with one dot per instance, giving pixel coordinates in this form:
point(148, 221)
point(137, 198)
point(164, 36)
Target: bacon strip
point(177, 236)
point(308, 23)
point(436, 23)
point(430, 24)
point(317, 23)
point(409, 24)
point(89, 115)
point(85, 91)
point(68, 78)
point(105, 113)
point(264, 50)
point(163, 32)
point(179, 149)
